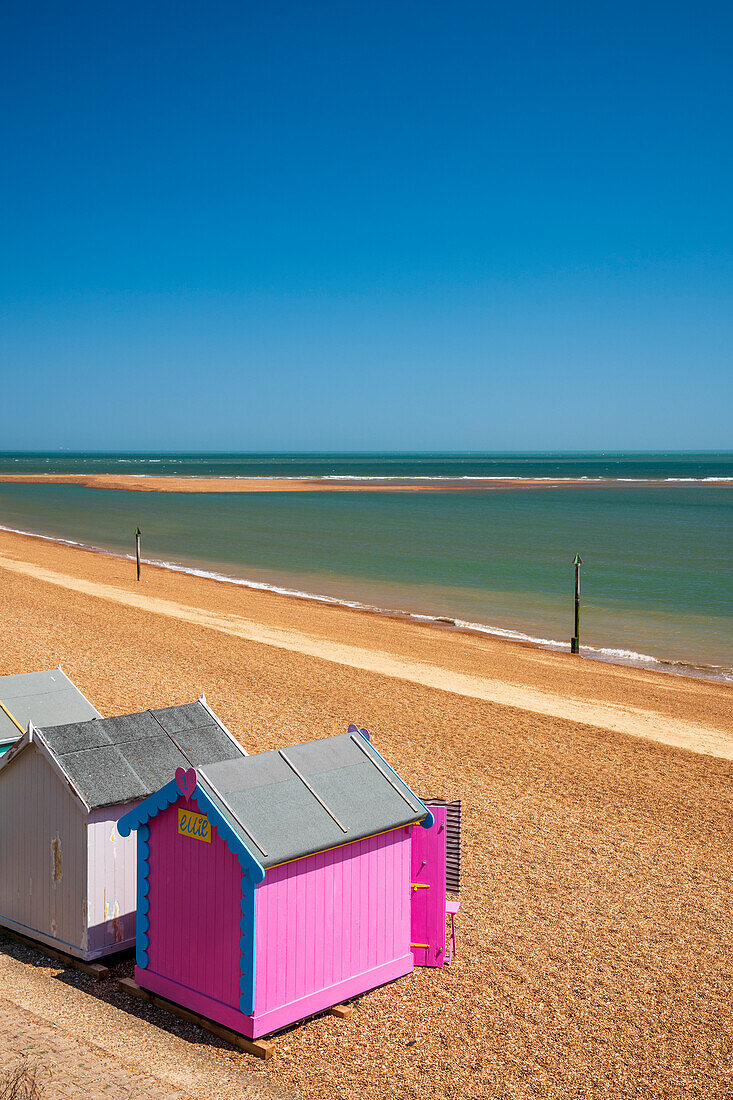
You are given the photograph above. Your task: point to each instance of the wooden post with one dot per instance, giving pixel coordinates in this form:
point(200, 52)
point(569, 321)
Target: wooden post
point(137, 551)
point(575, 640)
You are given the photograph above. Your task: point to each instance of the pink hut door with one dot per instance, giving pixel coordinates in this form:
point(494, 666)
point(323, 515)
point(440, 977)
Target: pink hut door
point(427, 885)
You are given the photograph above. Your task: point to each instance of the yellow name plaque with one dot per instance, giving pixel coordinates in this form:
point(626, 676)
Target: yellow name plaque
point(195, 825)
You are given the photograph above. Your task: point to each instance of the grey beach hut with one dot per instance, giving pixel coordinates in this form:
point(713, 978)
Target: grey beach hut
point(67, 878)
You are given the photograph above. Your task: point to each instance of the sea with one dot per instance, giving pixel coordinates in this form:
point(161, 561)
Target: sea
point(654, 532)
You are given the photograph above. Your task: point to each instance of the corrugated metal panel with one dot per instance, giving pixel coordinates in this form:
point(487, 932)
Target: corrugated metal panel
point(112, 883)
point(43, 698)
point(43, 867)
point(453, 843)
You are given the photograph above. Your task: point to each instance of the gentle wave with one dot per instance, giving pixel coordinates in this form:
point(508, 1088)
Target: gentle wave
point(602, 653)
point(427, 479)
point(500, 477)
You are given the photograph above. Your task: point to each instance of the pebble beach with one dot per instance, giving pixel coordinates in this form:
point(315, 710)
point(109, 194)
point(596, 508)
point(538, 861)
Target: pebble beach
point(594, 933)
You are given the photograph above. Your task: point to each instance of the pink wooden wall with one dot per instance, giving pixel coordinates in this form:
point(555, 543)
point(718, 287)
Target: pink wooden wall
point(332, 925)
point(428, 891)
point(195, 894)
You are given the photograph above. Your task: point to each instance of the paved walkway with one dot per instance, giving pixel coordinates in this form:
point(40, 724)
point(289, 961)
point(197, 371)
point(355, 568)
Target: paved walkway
point(87, 1048)
point(69, 1068)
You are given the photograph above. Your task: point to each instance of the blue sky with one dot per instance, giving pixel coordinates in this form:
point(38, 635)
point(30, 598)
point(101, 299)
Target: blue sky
point(389, 225)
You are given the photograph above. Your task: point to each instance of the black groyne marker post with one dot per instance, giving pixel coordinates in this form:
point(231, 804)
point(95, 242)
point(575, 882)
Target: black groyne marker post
point(575, 640)
point(137, 553)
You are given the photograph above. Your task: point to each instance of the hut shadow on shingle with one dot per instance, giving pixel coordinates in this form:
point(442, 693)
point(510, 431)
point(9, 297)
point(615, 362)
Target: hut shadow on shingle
point(108, 990)
point(27, 955)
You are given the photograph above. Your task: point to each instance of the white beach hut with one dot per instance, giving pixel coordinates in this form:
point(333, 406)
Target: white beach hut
point(67, 878)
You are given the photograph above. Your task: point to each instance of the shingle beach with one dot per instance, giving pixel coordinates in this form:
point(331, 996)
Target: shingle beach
point(594, 936)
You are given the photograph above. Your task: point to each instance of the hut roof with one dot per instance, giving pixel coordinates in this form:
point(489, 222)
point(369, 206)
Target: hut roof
point(115, 760)
point(282, 805)
point(46, 698)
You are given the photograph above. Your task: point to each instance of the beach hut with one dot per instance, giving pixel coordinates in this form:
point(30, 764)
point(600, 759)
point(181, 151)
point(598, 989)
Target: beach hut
point(67, 878)
point(275, 886)
point(43, 698)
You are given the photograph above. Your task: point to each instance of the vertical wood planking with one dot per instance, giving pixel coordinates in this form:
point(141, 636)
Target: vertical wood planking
point(36, 806)
point(328, 917)
point(337, 884)
point(428, 903)
point(297, 952)
point(291, 885)
point(111, 879)
point(195, 894)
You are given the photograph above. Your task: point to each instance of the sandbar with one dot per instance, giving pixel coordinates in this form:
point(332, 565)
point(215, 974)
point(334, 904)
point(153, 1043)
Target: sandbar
point(139, 483)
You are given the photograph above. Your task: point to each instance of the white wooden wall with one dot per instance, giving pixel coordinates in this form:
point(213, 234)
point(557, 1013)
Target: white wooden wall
point(43, 858)
point(112, 881)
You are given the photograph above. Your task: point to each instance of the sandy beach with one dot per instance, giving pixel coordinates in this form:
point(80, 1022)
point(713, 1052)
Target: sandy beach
point(594, 932)
point(150, 484)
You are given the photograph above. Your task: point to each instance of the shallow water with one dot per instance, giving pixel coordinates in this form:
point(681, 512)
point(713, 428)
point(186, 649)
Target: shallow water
point(657, 578)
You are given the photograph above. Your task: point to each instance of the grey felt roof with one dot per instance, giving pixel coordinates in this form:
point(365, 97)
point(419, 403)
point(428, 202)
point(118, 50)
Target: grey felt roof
point(115, 760)
point(307, 798)
point(44, 698)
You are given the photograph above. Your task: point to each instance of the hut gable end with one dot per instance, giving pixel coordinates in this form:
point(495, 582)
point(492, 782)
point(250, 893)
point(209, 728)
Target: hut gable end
point(43, 865)
point(68, 876)
point(198, 904)
point(317, 909)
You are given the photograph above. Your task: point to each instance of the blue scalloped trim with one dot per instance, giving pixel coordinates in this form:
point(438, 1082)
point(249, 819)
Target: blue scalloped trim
point(142, 941)
point(169, 794)
point(248, 863)
point(252, 873)
point(247, 926)
point(151, 807)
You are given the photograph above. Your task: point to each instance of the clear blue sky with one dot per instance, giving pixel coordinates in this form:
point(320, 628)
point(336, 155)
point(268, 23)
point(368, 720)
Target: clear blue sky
point(396, 225)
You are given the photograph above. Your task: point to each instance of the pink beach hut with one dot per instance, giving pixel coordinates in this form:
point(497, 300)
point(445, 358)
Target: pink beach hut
point(277, 885)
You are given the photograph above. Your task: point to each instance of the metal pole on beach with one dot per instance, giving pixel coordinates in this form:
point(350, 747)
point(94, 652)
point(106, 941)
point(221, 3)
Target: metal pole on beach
point(137, 551)
point(575, 640)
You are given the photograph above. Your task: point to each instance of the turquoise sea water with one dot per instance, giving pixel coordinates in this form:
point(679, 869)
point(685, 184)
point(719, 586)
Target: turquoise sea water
point(614, 465)
point(656, 540)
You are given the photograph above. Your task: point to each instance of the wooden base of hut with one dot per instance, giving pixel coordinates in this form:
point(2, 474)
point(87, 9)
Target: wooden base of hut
point(256, 1047)
point(268, 1022)
point(94, 970)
